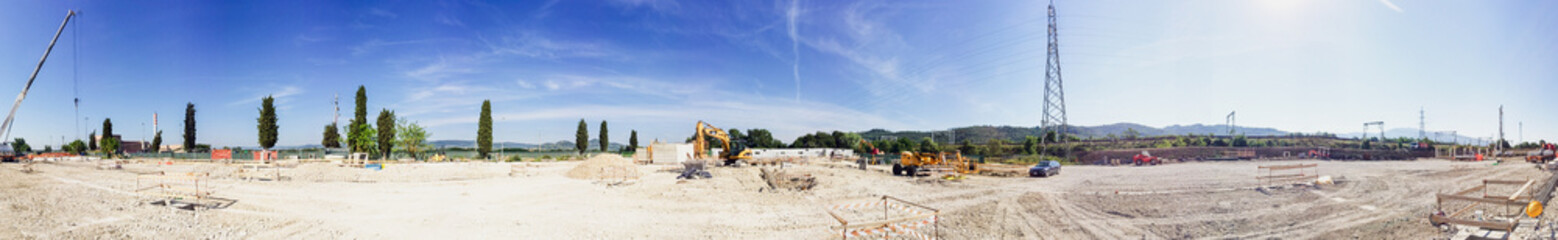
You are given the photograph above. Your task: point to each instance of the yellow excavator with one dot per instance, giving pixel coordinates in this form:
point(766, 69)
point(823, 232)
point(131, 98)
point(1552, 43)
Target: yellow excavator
point(923, 163)
point(733, 151)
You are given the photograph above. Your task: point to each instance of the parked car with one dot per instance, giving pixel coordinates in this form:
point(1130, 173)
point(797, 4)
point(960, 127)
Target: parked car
point(1045, 169)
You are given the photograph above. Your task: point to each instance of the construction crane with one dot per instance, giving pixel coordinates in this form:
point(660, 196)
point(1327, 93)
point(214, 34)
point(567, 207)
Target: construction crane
point(8, 154)
point(1381, 125)
point(868, 144)
point(733, 152)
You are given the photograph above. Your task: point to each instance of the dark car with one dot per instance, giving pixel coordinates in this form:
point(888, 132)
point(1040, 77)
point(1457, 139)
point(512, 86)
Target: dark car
point(1045, 169)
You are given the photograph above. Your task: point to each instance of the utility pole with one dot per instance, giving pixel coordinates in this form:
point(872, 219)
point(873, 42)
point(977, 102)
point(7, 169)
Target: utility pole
point(1499, 142)
point(1422, 131)
point(1231, 126)
point(1054, 118)
point(337, 102)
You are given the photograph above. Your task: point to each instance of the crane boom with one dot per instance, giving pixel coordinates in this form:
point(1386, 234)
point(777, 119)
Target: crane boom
point(6, 127)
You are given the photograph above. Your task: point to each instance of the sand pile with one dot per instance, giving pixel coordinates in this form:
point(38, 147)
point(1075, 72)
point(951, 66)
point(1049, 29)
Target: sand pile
point(780, 179)
point(605, 166)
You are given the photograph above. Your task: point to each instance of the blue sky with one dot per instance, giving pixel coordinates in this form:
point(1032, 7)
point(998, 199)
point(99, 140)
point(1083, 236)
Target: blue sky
point(793, 67)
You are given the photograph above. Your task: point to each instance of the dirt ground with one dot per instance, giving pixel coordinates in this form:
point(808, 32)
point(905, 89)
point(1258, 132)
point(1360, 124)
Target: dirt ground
point(1198, 200)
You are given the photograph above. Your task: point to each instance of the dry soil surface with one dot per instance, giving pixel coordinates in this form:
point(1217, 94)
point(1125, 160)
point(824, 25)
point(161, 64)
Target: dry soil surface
point(1200, 200)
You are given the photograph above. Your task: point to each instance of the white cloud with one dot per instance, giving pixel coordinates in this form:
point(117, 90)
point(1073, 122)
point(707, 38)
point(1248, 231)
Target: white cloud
point(669, 6)
point(281, 94)
point(448, 20)
point(552, 85)
point(791, 15)
point(443, 68)
point(535, 45)
point(524, 84)
point(375, 44)
point(1391, 5)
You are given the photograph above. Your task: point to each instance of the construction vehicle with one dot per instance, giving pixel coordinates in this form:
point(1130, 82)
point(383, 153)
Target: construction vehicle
point(1145, 158)
point(6, 153)
point(868, 144)
point(926, 163)
point(732, 153)
point(1547, 153)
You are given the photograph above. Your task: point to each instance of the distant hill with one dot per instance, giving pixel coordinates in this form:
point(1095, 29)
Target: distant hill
point(1017, 134)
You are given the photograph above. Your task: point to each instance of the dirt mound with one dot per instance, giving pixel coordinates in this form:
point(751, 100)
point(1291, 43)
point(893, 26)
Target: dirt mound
point(781, 179)
point(605, 166)
point(321, 172)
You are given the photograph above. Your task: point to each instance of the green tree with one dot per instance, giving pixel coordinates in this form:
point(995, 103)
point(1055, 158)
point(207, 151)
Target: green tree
point(582, 138)
point(761, 138)
point(737, 137)
point(995, 147)
point(1131, 134)
point(189, 127)
point(332, 138)
point(363, 138)
point(355, 137)
point(884, 145)
point(604, 142)
point(110, 146)
point(386, 133)
point(484, 130)
point(1028, 144)
point(906, 145)
point(21, 147)
point(156, 142)
point(77, 147)
point(633, 141)
point(412, 138)
point(841, 140)
point(967, 147)
point(267, 122)
point(1240, 141)
point(92, 141)
point(928, 145)
point(852, 141)
point(108, 130)
point(823, 139)
point(108, 138)
point(47, 148)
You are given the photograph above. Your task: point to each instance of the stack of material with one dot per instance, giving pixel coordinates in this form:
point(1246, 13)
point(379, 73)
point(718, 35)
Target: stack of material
point(780, 179)
point(605, 166)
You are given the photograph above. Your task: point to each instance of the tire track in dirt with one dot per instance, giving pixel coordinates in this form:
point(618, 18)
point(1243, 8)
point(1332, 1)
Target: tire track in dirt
point(1024, 219)
point(1094, 222)
point(1385, 206)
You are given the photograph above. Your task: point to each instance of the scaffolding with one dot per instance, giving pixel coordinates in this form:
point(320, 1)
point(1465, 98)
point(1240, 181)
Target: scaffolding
point(899, 218)
point(1506, 220)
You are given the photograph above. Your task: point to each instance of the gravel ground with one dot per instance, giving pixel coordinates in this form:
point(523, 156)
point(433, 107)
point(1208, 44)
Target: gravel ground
point(1376, 200)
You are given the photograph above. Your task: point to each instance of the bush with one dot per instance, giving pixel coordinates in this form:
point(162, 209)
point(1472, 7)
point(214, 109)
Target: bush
point(515, 158)
point(546, 157)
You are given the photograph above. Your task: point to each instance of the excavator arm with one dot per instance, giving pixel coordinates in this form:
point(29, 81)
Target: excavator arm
point(706, 130)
